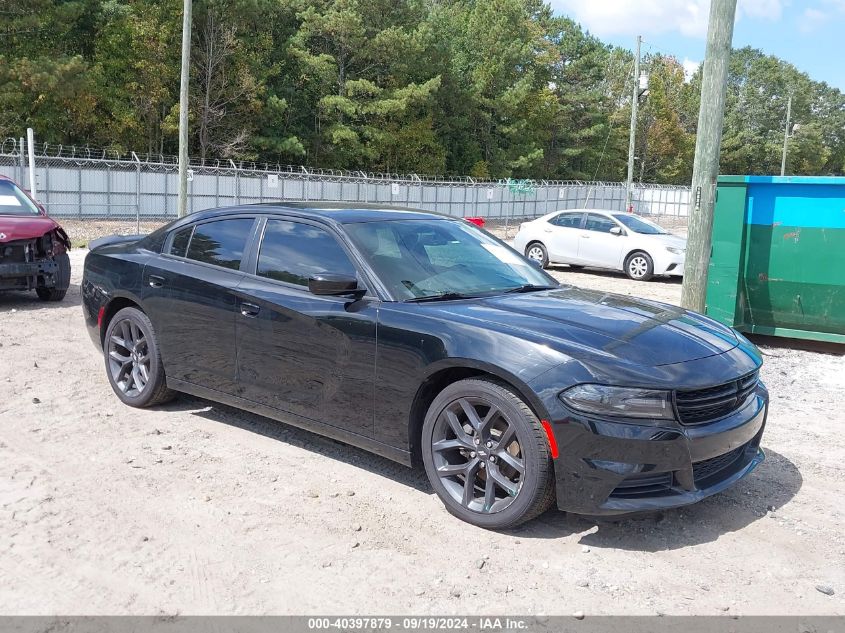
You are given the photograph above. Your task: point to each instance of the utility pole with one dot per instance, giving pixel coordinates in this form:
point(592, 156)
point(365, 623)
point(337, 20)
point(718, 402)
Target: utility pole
point(30, 143)
point(786, 135)
point(707, 143)
point(633, 136)
point(183, 109)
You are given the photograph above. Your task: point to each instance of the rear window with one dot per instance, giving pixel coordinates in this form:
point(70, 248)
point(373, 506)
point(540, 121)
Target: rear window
point(220, 243)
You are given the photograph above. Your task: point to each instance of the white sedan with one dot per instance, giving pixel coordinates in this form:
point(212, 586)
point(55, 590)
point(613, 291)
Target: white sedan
point(602, 239)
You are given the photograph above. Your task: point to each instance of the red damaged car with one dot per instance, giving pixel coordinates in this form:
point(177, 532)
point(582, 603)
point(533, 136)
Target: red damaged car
point(33, 247)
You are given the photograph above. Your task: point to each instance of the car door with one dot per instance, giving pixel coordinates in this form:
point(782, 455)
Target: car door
point(192, 300)
point(312, 356)
point(597, 246)
point(561, 237)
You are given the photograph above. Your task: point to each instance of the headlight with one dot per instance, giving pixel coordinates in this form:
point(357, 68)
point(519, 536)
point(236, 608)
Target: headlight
point(677, 251)
point(620, 401)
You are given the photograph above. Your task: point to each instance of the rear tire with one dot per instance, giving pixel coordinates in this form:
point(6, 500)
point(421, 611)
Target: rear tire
point(487, 455)
point(537, 252)
point(57, 292)
point(639, 266)
point(133, 361)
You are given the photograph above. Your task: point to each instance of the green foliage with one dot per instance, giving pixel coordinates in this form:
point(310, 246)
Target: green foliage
point(488, 88)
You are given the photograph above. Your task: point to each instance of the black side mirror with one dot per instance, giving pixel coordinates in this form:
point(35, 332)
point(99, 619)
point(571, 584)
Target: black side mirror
point(334, 285)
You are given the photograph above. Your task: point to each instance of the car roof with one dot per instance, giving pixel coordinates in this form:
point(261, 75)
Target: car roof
point(607, 212)
point(603, 211)
point(342, 213)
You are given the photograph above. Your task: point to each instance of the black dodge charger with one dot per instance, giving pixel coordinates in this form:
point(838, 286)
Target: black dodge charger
point(426, 340)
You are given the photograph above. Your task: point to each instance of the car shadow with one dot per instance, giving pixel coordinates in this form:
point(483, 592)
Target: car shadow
point(28, 301)
point(616, 274)
point(772, 485)
point(321, 445)
point(769, 345)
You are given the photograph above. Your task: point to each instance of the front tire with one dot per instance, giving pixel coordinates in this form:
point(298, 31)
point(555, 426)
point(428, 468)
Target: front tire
point(486, 455)
point(57, 292)
point(133, 361)
point(639, 266)
point(535, 251)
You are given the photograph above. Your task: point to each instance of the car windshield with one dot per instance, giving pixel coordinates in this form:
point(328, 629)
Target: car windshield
point(639, 225)
point(418, 259)
point(13, 201)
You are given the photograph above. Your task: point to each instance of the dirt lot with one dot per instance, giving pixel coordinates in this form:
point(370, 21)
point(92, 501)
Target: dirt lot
point(199, 508)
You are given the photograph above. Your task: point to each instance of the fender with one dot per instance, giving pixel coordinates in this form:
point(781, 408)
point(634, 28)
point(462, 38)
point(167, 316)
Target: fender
point(517, 383)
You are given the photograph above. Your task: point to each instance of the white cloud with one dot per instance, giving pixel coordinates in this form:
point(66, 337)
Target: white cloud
point(652, 17)
point(768, 9)
point(690, 67)
point(811, 19)
point(647, 17)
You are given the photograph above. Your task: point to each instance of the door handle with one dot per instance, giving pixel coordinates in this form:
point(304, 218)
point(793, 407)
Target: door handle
point(155, 281)
point(547, 230)
point(250, 310)
point(586, 237)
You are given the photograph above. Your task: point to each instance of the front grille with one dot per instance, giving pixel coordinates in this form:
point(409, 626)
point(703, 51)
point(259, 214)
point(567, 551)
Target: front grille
point(643, 485)
point(706, 469)
point(704, 405)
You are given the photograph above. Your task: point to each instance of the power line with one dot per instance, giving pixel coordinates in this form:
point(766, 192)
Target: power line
point(610, 123)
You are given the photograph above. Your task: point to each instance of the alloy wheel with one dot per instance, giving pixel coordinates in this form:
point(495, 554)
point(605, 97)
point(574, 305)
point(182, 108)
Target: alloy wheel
point(477, 455)
point(129, 358)
point(638, 266)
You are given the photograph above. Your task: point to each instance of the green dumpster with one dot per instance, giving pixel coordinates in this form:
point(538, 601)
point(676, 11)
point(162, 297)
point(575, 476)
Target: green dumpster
point(778, 261)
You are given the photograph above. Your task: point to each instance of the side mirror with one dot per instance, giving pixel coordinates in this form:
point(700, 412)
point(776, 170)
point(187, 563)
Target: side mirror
point(616, 231)
point(334, 285)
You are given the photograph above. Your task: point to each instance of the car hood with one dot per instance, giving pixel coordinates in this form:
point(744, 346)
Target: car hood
point(18, 227)
point(669, 239)
point(584, 323)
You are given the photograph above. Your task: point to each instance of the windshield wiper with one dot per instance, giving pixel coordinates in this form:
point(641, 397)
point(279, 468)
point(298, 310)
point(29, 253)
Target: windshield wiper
point(529, 288)
point(445, 296)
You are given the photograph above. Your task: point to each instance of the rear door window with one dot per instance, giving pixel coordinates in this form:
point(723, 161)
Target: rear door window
point(220, 243)
point(567, 220)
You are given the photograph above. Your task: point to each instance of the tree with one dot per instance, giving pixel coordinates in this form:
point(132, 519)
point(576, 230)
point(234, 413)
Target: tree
point(485, 88)
point(665, 147)
point(137, 73)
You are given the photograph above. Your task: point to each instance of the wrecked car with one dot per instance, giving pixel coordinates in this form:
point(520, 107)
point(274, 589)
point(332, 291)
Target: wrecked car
point(33, 247)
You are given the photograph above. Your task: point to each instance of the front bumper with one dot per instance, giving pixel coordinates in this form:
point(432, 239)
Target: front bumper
point(669, 264)
point(617, 467)
point(28, 275)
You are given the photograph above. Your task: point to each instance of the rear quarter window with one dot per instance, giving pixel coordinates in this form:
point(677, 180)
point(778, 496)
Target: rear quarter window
point(179, 243)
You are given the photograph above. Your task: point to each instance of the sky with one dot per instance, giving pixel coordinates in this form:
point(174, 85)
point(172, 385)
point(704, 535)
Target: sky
point(806, 33)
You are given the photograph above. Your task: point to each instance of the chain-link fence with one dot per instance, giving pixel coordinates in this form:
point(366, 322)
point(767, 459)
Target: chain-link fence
point(85, 184)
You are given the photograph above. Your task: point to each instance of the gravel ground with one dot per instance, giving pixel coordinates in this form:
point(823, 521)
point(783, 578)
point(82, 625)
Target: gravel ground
point(199, 508)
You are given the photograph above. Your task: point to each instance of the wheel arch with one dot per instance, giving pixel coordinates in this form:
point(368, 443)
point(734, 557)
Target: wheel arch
point(631, 251)
point(442, 374)
point(533, 241)
point(112, 307)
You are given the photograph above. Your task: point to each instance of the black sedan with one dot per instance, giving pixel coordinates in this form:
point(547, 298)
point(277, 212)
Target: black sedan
point(426, 340)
